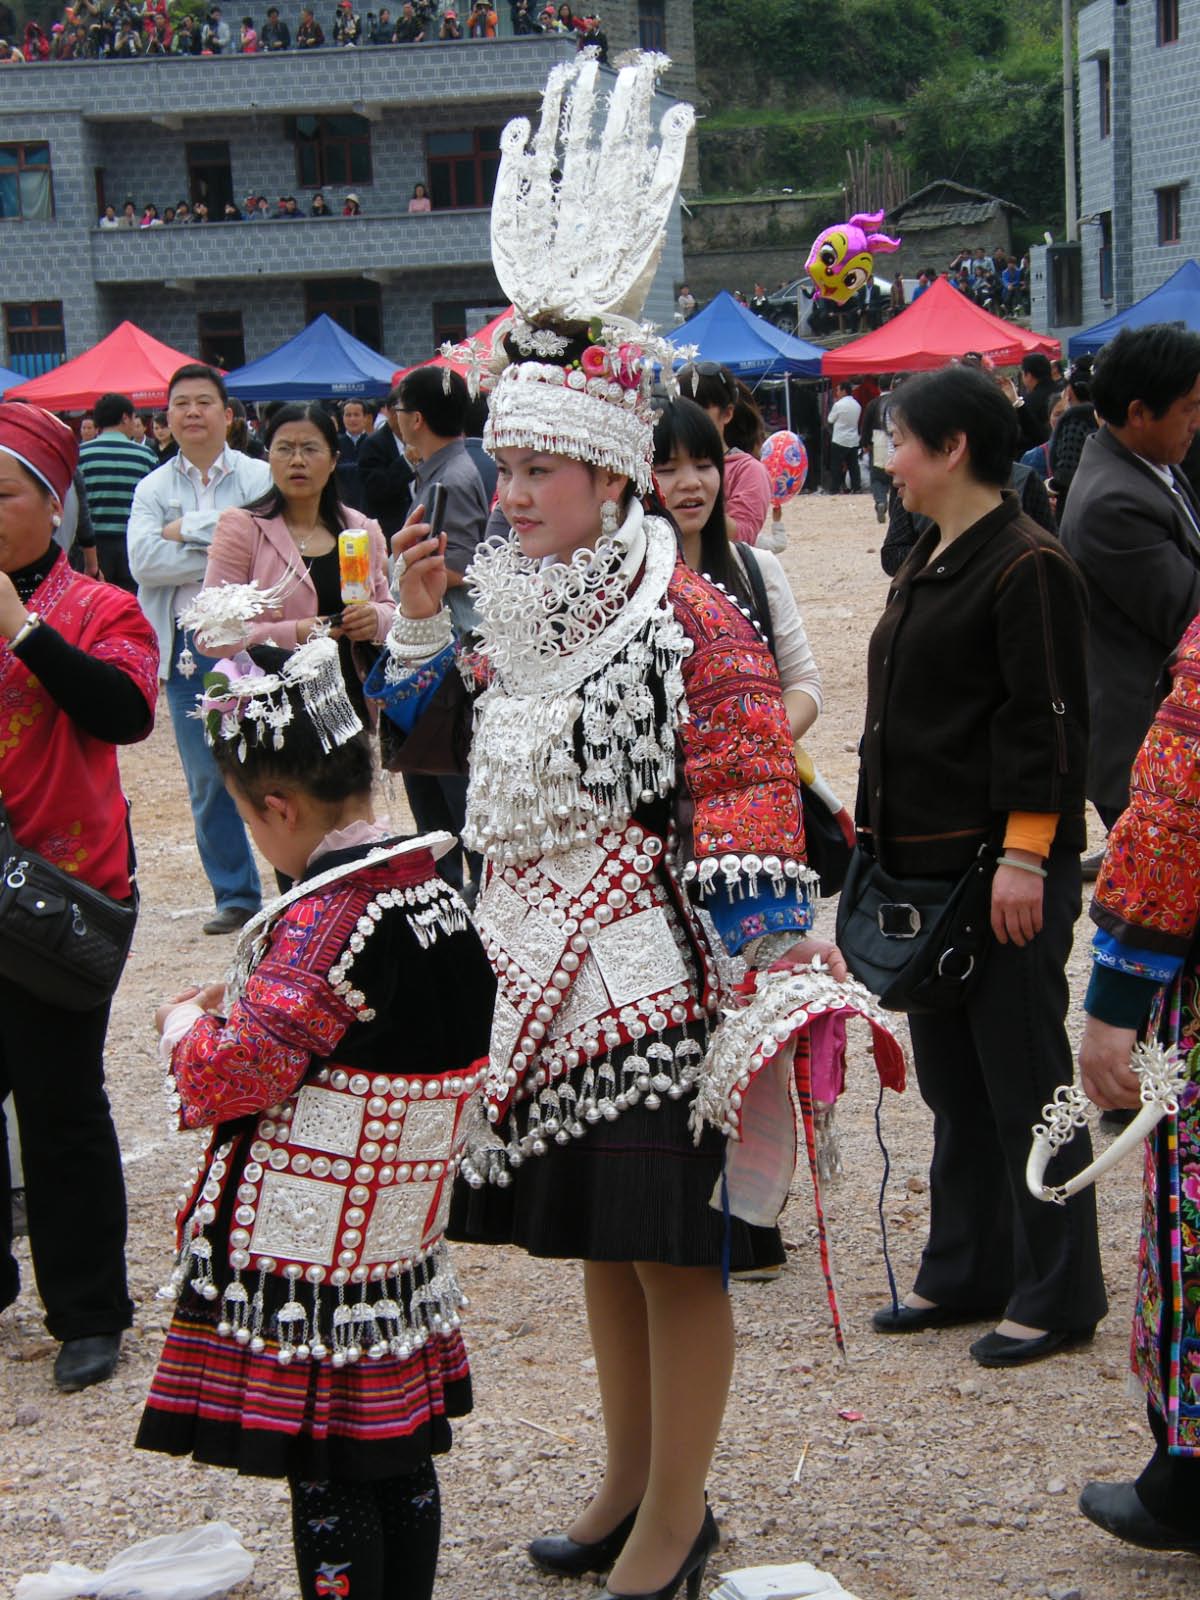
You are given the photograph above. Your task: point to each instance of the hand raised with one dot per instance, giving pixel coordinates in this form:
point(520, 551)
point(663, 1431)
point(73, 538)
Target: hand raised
point(421, 570)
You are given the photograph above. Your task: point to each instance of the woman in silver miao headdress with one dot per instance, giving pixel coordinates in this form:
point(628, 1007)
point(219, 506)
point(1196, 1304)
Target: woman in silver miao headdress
point(633, 791)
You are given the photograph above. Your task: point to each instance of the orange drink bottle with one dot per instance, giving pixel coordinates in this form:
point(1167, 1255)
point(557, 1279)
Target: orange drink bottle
point(354, 565)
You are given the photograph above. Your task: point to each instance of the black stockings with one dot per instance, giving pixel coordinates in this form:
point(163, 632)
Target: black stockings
point(367, 1541)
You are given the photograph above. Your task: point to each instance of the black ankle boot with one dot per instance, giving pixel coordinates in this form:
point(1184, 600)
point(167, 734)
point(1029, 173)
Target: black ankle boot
point(558, 1553)
point(691, 1572)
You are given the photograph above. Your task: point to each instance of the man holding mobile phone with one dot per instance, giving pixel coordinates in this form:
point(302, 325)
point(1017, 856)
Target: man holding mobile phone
point(431, 420)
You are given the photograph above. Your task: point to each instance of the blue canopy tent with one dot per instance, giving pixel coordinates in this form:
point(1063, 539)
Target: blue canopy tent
point(750, 346)
point(10, 379)
point(1177, 301)
point(323, 362)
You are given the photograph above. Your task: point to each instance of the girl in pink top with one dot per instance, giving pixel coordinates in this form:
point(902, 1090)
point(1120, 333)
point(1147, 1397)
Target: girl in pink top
point(731, 406)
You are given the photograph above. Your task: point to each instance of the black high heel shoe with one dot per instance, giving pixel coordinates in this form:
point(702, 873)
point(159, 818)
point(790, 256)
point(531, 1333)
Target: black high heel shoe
point(691, 1572)
point(558, 1553)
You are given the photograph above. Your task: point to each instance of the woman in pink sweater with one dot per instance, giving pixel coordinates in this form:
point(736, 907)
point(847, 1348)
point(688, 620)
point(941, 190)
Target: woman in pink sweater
point(731, 406)
point(287, 540)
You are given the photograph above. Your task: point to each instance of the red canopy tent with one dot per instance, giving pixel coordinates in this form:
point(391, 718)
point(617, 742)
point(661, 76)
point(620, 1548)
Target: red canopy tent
point(940, 327)
point(128, 362)
point(482, 340)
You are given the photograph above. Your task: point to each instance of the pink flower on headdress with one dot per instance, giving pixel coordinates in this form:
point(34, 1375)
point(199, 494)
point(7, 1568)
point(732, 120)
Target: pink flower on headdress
point(594, 362)
point(233, 671)
point(629, 366)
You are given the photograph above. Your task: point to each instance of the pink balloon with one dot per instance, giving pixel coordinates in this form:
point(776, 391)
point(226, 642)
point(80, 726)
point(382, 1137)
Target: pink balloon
point(786, 461)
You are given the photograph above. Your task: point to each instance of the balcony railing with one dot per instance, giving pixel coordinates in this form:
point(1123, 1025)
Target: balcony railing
point(166, 88)
point(379, 246)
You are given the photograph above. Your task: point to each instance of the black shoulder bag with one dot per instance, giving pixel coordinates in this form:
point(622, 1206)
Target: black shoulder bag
point(917, 943)
point(61, 941)
point(825, 847)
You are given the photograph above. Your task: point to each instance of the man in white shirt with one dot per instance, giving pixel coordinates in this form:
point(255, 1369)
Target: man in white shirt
point(843, 420)
point(171, 525)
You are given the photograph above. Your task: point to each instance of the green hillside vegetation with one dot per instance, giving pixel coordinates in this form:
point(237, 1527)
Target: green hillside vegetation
point(961, 89)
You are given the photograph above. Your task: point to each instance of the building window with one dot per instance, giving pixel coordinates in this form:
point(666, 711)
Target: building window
point(652, 24)
point(26, 186)
point(1106, 256)
point(449, 322)
point(36, 337)
point(1104, 85)
point(220, 339)
point(1170, 215)
point(334, 149)
point(1167, 15)
point(210, 176)
point(462, 168)
point(352, 303)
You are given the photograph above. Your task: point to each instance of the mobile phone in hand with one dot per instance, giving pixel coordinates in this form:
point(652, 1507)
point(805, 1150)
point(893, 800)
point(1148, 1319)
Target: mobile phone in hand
point(436, 511)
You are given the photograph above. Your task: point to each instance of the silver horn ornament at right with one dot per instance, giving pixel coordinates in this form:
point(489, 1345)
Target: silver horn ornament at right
point(1163, 1077)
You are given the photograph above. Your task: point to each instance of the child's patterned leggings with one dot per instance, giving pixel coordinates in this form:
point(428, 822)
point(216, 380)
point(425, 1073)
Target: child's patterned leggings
point(367, 1541)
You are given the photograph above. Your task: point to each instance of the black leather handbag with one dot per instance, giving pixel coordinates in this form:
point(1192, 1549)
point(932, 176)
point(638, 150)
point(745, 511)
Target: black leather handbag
point(918, 943)
point(60, 940)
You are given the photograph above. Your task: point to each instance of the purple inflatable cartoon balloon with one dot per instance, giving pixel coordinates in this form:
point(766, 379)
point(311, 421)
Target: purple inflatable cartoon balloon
point(841, 258)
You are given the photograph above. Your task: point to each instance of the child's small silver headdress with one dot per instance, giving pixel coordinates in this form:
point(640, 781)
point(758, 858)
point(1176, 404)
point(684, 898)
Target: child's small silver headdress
point(240, 698)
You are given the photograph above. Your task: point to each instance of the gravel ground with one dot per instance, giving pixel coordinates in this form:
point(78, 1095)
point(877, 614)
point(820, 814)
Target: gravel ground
point(956, 1482)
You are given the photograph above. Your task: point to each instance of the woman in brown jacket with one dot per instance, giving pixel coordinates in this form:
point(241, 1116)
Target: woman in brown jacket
point(976, 732)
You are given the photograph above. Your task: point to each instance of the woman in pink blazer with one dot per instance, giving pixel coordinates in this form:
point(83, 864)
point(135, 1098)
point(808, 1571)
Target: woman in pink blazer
point(288, 538)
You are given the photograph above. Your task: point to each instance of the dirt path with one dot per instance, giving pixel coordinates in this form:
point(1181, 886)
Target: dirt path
point(958, 1484)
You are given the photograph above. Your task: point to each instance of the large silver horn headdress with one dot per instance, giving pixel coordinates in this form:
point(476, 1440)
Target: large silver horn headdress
point(578, 223)
point(579, 219)
point(1163, 1078)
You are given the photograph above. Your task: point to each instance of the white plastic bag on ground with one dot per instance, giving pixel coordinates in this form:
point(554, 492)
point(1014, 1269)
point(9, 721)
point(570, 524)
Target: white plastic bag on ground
point(199, 1564)
point(798, 1581)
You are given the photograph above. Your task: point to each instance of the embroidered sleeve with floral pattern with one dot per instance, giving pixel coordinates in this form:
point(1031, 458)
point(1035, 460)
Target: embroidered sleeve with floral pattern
point(287, 1014)
point(1148, 894)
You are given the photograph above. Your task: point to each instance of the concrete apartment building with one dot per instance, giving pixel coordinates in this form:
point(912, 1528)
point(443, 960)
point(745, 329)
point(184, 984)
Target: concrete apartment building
point(372, 121)
point(1139, 148)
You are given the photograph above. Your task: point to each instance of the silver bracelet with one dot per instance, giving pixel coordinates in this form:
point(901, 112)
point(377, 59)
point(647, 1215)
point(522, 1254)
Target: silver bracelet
point(30, 625)
point(420, 638)
point(1021, 866)
point(769, 948)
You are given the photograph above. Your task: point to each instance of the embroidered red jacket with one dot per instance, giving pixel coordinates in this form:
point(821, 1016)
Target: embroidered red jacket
point(61, 786)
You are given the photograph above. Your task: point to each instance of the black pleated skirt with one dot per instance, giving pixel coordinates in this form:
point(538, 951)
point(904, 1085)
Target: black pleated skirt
point(635, 1189)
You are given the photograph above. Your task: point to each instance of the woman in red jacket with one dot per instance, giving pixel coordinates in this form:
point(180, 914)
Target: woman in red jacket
point(78, 676)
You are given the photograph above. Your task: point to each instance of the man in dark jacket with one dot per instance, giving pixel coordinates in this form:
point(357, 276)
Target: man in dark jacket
point(1133, 526)
point(385, 471)
point(355, 432)
point(275, 35)
point(1033, 406)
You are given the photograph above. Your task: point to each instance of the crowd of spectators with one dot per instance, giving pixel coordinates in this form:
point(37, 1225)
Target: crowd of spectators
point(127, 29)
point(255, 208)
point(994, 280)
